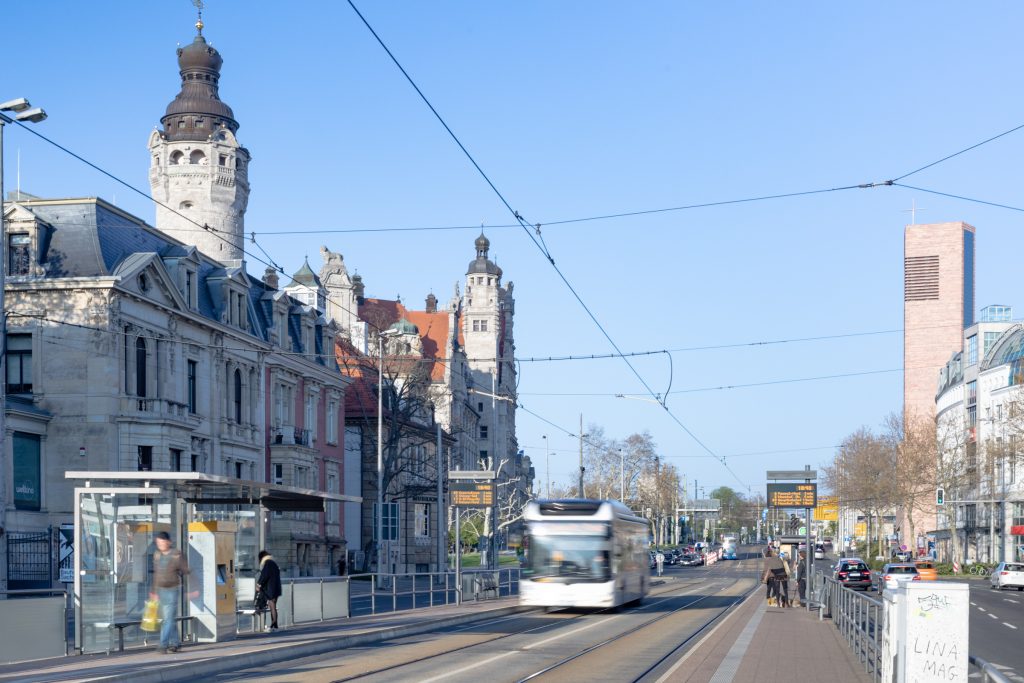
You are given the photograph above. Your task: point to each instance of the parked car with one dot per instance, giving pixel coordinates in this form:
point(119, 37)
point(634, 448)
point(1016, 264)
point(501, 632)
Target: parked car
point(927, 570)
point(895, 573)
point(1008, 575)
point(852, 572)
point(902, 555)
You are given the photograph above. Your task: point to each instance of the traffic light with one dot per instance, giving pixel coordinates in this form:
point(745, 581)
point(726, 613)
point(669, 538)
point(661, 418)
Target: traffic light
point(940, 496)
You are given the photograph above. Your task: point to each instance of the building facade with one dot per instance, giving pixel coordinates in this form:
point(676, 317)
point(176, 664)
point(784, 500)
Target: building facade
point(980, 427)
point(938, 304)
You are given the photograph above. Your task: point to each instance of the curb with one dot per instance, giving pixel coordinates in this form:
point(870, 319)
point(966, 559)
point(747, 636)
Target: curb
point(192, 670)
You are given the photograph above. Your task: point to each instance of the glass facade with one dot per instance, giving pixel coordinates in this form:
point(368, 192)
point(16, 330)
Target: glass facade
point(972, 350)
point(990, 340)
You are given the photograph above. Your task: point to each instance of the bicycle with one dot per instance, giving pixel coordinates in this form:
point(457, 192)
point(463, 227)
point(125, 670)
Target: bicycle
point(979, 570)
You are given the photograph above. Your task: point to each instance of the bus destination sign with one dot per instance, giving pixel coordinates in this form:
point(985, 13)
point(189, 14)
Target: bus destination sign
point(467, 494)
point(793, 495)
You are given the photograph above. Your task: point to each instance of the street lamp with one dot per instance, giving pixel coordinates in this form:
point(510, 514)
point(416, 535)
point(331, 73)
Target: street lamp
point(23, 112)
point(547, 462)
point(622, 477)
point(380, 449)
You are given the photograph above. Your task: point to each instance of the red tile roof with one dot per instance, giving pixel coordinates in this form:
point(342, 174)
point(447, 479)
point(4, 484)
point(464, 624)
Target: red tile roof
point(433, 329)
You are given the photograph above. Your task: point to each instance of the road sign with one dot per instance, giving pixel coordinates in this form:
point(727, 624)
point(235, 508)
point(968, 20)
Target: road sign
point(792, 475)
point(793, 495)
point(471, 495)
point(827, 510)
point(66, 553)
point(486, 475)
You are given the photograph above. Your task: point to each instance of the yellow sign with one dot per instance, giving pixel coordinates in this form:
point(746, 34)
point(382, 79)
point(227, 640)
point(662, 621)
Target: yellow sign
point(860, 530)
point(827, 510)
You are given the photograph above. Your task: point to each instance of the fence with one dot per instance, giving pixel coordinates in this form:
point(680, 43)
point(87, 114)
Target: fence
point(33, 625)
point(861, 620)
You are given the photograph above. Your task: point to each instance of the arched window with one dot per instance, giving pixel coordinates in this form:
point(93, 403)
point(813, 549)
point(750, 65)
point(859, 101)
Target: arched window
point(176, 157)
point(197, 157)
point(140, 367)
point(185, 205)
point(238, 395)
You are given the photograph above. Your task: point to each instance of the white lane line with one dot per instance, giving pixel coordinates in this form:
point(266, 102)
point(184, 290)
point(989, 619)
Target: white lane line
point(567, 633)
point(1009, 626)
point(726, 671)
point(482, 662)
point(983, 609)
point(975, 604)
point(993, 616)
point(675, 667)
point(1011, 600)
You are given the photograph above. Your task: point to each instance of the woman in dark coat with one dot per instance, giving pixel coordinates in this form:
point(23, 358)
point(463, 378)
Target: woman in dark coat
point(268, 585)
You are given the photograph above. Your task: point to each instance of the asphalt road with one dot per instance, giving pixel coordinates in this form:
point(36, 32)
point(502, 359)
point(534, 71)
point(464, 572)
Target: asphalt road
point(997, 628)
point(620, 644)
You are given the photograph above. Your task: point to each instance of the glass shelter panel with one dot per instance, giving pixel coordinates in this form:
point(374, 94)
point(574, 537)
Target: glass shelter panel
point(115, 534)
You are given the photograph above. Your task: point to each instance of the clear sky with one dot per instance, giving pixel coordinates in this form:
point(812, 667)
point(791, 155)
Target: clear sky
point(578, 109)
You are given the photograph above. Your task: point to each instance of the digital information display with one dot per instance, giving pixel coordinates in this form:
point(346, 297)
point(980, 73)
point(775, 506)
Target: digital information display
point(465, 494)
point(793, 495)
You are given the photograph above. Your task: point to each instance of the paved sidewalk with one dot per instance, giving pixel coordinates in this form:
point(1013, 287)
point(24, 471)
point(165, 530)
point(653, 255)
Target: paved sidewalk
point(205, 660)
point(761, 644)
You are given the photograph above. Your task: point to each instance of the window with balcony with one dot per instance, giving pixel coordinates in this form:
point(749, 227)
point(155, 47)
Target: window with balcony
point(19, 363)
point(192, 379)
point(237, 395)
point(141, 357)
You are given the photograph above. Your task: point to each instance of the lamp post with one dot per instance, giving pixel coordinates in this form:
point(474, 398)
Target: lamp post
point(23, 111)
point(380, 450)
point(547, 462)
point(622, 477)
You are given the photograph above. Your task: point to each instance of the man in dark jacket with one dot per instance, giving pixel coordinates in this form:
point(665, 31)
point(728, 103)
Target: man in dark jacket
point(268, 585)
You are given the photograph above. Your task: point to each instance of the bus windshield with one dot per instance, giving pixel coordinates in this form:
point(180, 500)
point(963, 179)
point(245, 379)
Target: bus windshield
point(568, 558)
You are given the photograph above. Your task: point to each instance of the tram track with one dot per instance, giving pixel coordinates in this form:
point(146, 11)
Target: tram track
point(578, 617)
point(637, 631)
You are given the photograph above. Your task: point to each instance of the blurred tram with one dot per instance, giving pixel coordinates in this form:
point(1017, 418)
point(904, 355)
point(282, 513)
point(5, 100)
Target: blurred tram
point(584, 553)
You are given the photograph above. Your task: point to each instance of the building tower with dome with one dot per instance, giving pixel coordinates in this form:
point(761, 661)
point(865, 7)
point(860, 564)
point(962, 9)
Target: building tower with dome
point(487, 315)
point(199, 173)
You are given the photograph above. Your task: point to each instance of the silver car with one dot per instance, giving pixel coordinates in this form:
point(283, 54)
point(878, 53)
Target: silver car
point(895, 573)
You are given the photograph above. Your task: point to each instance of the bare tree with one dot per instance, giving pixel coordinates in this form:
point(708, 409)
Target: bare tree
point(912, 437)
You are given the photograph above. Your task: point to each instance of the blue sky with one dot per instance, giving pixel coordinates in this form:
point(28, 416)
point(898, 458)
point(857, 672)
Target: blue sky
point(579, 109)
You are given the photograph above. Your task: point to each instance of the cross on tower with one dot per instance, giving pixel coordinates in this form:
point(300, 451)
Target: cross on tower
point(913, 212)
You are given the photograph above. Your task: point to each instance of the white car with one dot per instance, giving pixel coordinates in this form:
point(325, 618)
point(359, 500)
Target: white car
point(1008, 575)
point(819, 551)
point(893, 574)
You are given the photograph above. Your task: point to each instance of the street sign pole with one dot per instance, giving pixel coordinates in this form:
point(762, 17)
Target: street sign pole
point(458, 556)
point(810, 553)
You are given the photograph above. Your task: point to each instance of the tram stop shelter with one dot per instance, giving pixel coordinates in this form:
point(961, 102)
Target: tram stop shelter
point(219, 523)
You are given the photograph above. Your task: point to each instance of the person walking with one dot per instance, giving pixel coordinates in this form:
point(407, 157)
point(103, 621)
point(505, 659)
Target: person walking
point(169, 568)
point(774, 575)
point(268, 585)
point(659, 560)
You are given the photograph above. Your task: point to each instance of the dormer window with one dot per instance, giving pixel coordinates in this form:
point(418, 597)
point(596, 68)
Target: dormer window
point(143, 283)
point(19, 253)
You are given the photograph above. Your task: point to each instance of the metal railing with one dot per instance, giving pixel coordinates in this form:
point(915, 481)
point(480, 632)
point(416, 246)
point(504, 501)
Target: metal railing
point(990, 672)
point(860, 620)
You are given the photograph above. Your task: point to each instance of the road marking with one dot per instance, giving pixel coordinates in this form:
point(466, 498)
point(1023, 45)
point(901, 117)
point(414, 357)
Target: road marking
point(731, 664)
point(486, 623)
point(482, 662)
point(1011, 600)
point(695, 648)
point(993, 616)
point(975, 604)
point(563, 635)
point(1010, 626)
point(983, 609)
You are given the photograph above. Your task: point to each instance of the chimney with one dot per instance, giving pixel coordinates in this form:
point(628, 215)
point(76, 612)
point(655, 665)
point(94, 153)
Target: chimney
point(270, 278)
point(431, 303)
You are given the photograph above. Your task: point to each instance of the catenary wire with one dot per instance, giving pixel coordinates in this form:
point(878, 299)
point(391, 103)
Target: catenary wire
point(955, 154)
point(960, 197)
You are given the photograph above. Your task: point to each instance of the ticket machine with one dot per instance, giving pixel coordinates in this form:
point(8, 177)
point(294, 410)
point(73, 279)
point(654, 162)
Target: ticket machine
point(211, 557)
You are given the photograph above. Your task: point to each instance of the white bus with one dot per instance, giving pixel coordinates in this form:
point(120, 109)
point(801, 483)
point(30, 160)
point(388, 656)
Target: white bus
point(584, 553)
point(729, 547)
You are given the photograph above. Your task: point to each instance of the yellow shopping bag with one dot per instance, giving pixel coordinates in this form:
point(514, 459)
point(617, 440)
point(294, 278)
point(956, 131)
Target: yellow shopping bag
point(150, 616)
